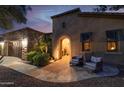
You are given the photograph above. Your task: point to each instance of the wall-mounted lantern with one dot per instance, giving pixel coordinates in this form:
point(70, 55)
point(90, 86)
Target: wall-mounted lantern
point(2, 47)
point(24, 42)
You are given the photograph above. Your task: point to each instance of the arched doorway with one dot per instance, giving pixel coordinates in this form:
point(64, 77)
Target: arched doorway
point(62, 48)
point(65, 47)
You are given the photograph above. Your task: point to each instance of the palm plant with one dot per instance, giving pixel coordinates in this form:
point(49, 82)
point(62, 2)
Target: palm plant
point(10, 14)
point(43, 47)
point(45, 43)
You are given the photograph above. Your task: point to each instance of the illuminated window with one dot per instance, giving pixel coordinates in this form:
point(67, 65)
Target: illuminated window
point(112, 46)
point(86, 46)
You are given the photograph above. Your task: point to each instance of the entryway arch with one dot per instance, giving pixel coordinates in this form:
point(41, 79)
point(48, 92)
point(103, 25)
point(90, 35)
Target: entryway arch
point(65, 46)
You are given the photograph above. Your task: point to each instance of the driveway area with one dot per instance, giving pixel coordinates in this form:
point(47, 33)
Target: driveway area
point(59, 71)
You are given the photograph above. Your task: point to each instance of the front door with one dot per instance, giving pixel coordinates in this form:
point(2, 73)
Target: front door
point(14, 48)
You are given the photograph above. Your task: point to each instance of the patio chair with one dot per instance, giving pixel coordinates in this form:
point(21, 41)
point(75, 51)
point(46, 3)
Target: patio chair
point(91, 63)
point(95, 66)
point(1, 59)
point(77, 61)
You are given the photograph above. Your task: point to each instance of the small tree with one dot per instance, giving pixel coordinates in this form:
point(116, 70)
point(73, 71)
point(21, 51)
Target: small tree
point(12, 13)
point(45, 43)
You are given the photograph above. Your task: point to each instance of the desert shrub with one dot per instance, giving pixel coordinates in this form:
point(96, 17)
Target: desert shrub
point(45, 57)
point(37, 59)
point(42, 51)
point(41, 59)
point(30, 55)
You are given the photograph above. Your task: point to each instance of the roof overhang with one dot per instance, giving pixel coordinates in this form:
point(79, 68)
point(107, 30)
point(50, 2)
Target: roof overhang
point(66, 13)
point(92, 14)
point(102, 15)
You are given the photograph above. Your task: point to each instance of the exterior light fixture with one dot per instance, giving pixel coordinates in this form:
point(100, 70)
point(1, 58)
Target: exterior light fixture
point(2, 47)
point(24, 42)
point(2, 43)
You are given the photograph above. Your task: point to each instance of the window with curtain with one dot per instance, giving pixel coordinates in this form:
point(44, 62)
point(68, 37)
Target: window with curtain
point(86, 41)
point(113, 37)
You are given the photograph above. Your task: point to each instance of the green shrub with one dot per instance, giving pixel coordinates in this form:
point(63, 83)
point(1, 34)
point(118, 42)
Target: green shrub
point(41, 59)
point(37, 59)
point(30, 55)
point(45, 57)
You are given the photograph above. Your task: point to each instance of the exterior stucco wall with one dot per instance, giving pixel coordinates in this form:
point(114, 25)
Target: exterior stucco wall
point(69, 31)
point(75, 25)
point(98, 26)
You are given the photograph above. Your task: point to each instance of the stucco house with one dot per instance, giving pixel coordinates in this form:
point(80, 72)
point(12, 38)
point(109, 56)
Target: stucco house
point(18, 43)
point(76, 32)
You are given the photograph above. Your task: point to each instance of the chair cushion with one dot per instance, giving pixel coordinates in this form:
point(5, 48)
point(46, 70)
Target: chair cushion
point(75, 60)
point(98, 59)
point(91, 64)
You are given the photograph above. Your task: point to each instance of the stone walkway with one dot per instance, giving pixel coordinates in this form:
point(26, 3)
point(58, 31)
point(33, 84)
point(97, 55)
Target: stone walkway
point(18, 79)
point(59, 71)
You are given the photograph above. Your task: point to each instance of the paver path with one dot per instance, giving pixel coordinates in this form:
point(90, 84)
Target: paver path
point(18, 79)
point(59, 71)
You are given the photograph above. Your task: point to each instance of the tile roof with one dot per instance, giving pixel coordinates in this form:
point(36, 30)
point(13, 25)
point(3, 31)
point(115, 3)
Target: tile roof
point(92, 14)
point(67, 12)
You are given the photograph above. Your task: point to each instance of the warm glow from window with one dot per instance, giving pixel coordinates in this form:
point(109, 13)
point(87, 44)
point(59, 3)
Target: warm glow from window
point(86, 46)
point(112, 45)
point(24, 42)
point(112, 48)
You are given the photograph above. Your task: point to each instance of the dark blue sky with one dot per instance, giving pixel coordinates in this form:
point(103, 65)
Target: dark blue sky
point(39, 17)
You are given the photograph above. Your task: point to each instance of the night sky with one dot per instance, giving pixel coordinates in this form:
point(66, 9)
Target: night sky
point(40, 16)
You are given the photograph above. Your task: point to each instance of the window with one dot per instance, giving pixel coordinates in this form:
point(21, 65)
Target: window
point(63, 25)
point(85, 39)
point(112, 46)
point(86, 46)
point(113, 36)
